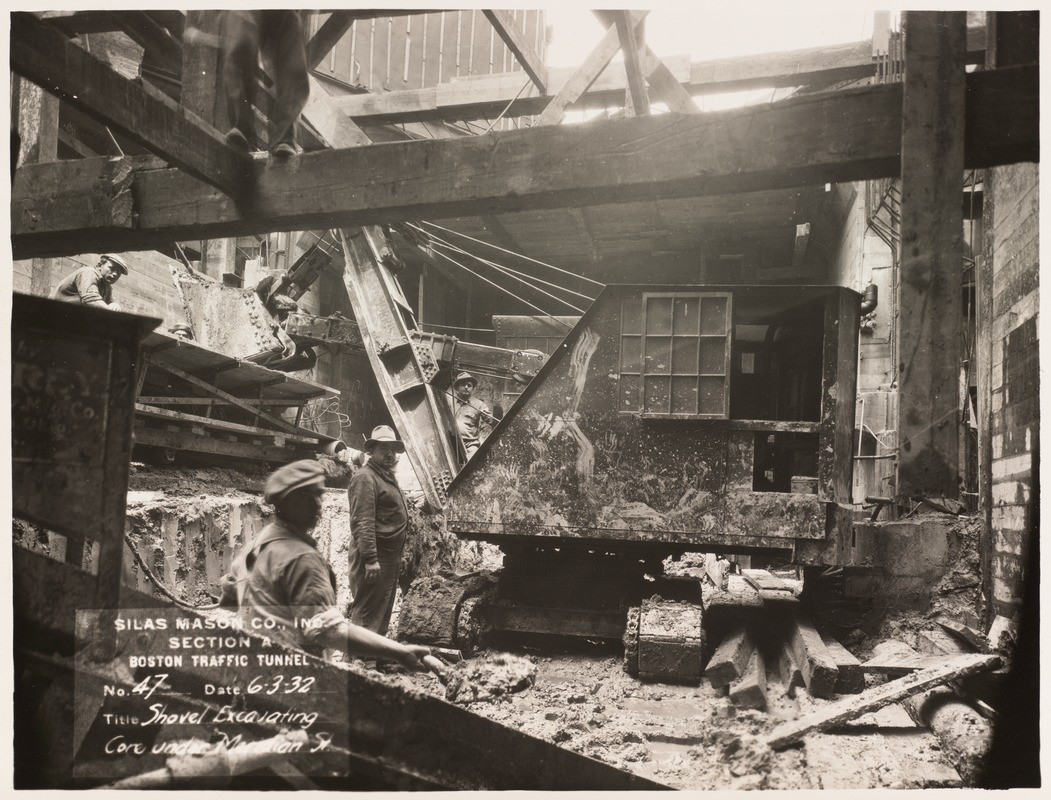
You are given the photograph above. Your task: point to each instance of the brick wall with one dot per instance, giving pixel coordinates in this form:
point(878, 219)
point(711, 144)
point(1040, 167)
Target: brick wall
point(1009, 376)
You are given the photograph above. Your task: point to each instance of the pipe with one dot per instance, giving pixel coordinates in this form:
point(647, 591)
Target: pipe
point(870, 299)
point(330, 448)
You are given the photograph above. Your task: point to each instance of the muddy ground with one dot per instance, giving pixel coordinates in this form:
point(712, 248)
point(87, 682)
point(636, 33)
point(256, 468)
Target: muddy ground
point(687, 737)
point(693, 737)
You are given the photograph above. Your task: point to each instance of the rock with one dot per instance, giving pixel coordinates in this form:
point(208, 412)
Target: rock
point(575, 698)
point(552, 716)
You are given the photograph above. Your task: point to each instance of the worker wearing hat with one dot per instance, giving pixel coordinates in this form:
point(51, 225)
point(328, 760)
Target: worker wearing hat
point(93, 286)
point(473, 418)
point(283, 582)
point(379, 520)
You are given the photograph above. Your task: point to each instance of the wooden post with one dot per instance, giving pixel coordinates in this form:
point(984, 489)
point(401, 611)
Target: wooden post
point(929, 321)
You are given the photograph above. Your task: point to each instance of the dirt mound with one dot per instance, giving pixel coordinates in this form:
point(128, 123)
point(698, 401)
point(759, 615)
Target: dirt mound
point(489, 677)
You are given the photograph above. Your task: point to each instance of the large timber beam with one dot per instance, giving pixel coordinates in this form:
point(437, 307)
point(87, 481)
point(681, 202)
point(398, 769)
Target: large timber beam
point(661, 79)
point(629, 46)
point(486, 96)
point(331, 31)
point(44, 55)
point(586, 74)
point(840, 136)
point(507, 29)
point(929, 321)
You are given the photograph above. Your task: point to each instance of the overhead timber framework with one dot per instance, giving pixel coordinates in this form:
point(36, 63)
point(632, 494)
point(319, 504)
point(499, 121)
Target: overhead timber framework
point(180, 179)
point(185, 191)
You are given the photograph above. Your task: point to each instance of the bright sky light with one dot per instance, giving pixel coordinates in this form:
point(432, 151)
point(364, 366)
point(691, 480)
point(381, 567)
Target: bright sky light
point(705, 30)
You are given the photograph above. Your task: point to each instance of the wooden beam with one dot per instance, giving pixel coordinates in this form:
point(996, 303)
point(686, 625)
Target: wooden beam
point(833, 714)
point(584, 230)
point(586, 74)
point(608, 161)
point(661, 79)
point(730, 659)
point(665, 85)
point(140, 112)
point(78, 22)
point(333, 127)
point(812, 657)
point(331, 31)
point(930, 319)
point(500, 233)
point(151, 37)
point(749, 691)
point(485, 96)
point(215, 391)
point(640, 101)
point(516, 41)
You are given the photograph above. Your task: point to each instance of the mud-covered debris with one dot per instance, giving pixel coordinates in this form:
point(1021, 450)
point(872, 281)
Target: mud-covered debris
point(489, 677)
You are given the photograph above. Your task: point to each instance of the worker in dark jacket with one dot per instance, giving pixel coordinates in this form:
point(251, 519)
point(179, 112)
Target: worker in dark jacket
point(278, 33)
point(93, 286)
point(281, 578)
point(378, 525)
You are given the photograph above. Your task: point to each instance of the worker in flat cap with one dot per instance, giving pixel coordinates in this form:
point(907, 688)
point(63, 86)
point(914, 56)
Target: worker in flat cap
point(473, 418)
point(93, 286)
point(282, 579)
point(379, 520)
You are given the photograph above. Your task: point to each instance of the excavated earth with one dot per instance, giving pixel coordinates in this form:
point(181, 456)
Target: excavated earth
point(687, 737)
point(693, 737)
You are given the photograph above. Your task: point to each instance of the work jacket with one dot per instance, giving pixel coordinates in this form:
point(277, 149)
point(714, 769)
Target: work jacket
point(378, 514)
point(282, 580)
point(86, 286)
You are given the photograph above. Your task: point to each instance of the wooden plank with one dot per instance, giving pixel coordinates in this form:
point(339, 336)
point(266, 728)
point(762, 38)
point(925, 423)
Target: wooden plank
point(848, 708)
point(838, 381)
point(179, 440)
point(749, 691)
point(229, 398)
point(152, 38)
point(640, 101)
point(812, 657)
point(585, 75)
point(665, 85)
point(140, 112)
point(931, 253)
point(968, 634)
point(145, 410)
point(898, 663)
point(762, 579)
point(850, 678)
point(516, 41)
point(331, 31)
point(791, 675)
point(334, 128)
point(730, 659)
point(453, 100)
point(608, 161)
point(90, 194)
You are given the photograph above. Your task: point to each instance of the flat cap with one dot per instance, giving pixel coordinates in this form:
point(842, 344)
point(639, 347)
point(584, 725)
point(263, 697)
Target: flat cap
point(290, 477)
point(116, 261)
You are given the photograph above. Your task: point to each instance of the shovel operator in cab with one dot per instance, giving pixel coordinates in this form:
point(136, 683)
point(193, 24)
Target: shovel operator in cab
point(281, 580)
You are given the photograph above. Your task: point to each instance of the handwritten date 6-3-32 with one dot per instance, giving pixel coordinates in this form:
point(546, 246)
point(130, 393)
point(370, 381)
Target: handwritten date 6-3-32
point(279, 684)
